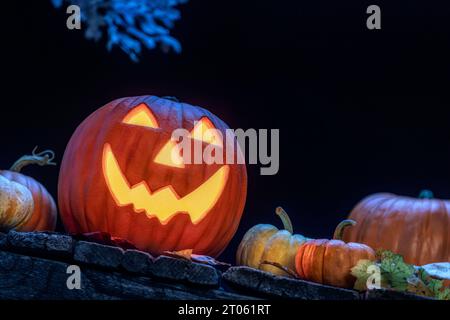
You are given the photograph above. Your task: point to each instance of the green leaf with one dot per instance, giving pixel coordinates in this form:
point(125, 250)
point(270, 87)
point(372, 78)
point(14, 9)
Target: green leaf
point(395, 270)
point(434, 286)
point(443, 294)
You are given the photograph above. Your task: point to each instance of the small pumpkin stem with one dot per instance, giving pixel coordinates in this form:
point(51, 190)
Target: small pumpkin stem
point(339, 232)
point(426, 194)
point(281, 267)
point(287, 224)
point(43, 158)
point(171, 98)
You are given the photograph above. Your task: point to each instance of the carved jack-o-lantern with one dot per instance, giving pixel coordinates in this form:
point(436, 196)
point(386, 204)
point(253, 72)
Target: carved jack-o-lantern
point(121, 174)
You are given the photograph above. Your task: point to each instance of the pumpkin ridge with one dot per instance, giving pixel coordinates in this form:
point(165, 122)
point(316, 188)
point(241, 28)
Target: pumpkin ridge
point(426, 209)
point(380, 234)
point(83, 190)
point(364, 224)
point(446, 243)
point(298, 260)
point(104, 220)
point(307, 255)
point(402, 205)
point(330, 261)
point(433, 215)
point(322, 268)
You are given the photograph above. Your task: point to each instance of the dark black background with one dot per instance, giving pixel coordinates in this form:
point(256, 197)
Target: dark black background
point(359, 111)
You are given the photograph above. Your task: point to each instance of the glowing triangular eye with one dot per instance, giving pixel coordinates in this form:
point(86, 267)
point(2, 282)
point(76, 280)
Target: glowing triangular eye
point(205, 131)
point(170, 155)
point(141, 116)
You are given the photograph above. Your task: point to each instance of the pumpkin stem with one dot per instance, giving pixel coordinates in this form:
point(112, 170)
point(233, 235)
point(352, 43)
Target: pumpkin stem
point(287, 224)
point(43, 158)
point(426, 194)
point(281, 267)
point(171, 98)
point(339, 232)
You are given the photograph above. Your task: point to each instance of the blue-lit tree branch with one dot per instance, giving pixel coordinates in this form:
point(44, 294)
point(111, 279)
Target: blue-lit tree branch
point(129, 24)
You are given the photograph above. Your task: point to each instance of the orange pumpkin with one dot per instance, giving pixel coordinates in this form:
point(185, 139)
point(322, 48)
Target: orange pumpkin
point(121, 174)
point(43, 217)
point(329, 261)
point(417, 229)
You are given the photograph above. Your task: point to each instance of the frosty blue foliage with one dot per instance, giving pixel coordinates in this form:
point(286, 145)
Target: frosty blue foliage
point(129, 24)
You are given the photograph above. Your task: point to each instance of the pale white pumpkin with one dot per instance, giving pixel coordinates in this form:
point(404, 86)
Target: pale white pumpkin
point(16, 204)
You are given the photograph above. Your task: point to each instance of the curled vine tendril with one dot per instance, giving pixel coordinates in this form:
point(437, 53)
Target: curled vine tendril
point(43, 158)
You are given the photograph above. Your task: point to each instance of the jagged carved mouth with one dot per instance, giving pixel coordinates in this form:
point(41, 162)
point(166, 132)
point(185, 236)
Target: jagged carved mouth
point(165, 202)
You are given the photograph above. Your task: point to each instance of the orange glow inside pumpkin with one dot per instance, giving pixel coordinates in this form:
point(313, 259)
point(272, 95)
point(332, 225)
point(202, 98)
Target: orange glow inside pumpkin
point(170, 155)
point(203, 130)
point(141, 116)
point(164, 203)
